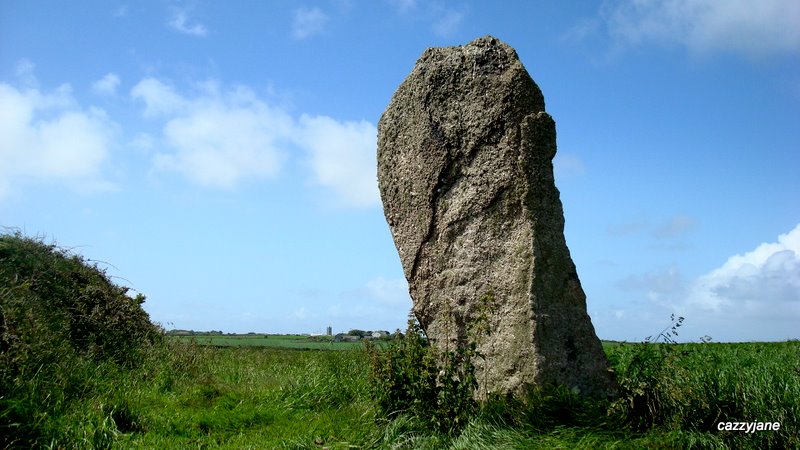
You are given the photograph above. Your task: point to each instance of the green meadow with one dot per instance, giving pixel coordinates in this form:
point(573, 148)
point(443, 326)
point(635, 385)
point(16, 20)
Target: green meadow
point(81, 367)
point(236, 397)
point(297, 342)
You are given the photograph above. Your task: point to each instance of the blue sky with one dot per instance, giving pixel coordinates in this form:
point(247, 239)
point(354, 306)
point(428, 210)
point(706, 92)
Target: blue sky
point(219, 157)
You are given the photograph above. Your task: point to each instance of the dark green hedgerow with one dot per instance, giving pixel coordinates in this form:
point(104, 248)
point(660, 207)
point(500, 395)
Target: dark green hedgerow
point(65, 328)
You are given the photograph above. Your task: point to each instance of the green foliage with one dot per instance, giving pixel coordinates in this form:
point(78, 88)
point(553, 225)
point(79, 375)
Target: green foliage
point(687, 389)
point(65, 329)
point(249, 397)
point(410, 377)
point(672, 396)
point(651, 380)
point(272, 341)
point(47, 290)
point(545, 409)
point(186, 395)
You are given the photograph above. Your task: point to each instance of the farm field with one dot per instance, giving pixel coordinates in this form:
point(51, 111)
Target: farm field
point(252, 397)
point(297, 342)
point(260, 396)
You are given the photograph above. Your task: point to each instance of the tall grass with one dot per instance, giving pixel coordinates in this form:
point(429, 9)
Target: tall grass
point(253, 398)
point(693, 387)
point(65, 331)
point(672, 396)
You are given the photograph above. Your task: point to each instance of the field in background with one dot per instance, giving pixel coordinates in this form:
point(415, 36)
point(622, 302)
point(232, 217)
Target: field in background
point(264, 394)
point(297, 342)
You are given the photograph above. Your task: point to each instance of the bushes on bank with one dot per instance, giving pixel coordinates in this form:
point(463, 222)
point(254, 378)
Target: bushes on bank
point(64, 329)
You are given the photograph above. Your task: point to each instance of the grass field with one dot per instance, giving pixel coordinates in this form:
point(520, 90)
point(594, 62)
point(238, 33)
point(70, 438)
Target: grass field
point(236, 396)
point(252, 397)
point(230, 395)
point(297, 342)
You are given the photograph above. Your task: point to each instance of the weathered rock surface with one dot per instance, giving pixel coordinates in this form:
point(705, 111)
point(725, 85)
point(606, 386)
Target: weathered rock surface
point(465, 171)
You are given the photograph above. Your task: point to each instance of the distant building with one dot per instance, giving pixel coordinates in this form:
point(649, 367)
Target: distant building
point(341, 337)
point(329, 331)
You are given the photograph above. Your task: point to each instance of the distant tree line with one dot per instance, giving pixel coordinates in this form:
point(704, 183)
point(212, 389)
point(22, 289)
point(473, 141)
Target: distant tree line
point(193, 333)
point(354, 332)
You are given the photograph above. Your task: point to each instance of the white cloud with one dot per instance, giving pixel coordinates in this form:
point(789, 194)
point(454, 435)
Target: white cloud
point(763, 282)
point(300, 313)
point(381, 303)
point(447, 22)
point(567, 166)
point(159, 98)
point(308, 22)
point(753, 28)
point(585, 28)
point(24, 70)
point(218, 138)
point(223, 144)
point(404, 5)
point(180, 23)
point(388, 291)
point(342, 157)
point(675, 226)
point(655, 283)
point(106, 85)
point(440, 17)
point(47, 136)
point(627, 229)
point(142, 142)
point(752, 296)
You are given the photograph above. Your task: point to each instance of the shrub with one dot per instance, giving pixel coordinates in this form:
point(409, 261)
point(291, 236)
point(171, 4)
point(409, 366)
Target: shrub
point(410, 377)
point(64, 326)
point(74, 301)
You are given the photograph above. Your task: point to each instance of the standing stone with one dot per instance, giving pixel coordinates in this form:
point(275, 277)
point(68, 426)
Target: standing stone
point(465, 171)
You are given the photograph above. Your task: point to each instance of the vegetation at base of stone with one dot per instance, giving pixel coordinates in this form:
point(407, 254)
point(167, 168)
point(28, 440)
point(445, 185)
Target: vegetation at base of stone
point(673, 395)
point(64, 328)
point(412, 377)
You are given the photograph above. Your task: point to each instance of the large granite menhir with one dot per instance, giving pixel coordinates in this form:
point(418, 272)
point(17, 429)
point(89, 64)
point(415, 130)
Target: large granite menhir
point(465, 152)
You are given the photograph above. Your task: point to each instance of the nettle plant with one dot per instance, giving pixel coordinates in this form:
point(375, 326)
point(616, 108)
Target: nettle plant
point(414, 378)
